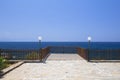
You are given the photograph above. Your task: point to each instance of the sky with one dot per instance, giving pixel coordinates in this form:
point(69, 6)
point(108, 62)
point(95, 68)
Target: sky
point(60, 20)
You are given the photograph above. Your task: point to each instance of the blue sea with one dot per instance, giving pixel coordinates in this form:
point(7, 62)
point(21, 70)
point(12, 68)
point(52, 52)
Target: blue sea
point(36, 45)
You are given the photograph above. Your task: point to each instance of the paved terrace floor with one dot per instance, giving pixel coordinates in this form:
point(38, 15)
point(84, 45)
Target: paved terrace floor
point(59, 56)
point(77, 69)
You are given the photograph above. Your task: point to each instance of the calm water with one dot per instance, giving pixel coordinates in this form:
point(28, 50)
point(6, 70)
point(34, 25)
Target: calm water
point(35, 45)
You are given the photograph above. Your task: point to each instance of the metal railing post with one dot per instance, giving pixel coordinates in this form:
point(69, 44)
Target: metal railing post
point(88, 50)
point(88, 55)
point(40, 52)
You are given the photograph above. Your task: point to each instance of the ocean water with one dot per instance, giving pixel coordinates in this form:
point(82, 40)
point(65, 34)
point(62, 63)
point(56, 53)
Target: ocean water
point(36, 45)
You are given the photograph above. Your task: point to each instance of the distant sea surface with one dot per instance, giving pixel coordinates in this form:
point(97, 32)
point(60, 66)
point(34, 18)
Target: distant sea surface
point(36, 45)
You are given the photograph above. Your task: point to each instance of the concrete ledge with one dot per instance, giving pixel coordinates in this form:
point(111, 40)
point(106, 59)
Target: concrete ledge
point(104, 61)
point(10, 68)
point(24, 60)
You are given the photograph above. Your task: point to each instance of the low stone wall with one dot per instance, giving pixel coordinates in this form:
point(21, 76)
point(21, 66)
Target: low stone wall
point(10, 68)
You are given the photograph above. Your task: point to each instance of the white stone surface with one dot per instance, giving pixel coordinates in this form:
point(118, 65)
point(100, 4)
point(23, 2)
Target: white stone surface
point(65, 70)
point(59, 56)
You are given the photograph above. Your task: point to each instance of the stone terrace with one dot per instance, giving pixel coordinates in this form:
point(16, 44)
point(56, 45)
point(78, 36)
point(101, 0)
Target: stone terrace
point(74, 69)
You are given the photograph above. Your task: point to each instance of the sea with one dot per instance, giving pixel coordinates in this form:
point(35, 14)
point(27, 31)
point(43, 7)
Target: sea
point(37, 45)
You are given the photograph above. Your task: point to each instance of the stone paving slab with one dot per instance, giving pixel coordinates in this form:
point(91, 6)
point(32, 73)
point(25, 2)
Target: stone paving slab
point(65, 70)
point(57, 56)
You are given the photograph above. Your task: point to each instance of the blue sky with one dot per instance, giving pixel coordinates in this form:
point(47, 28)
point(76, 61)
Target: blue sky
point(60, 20)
